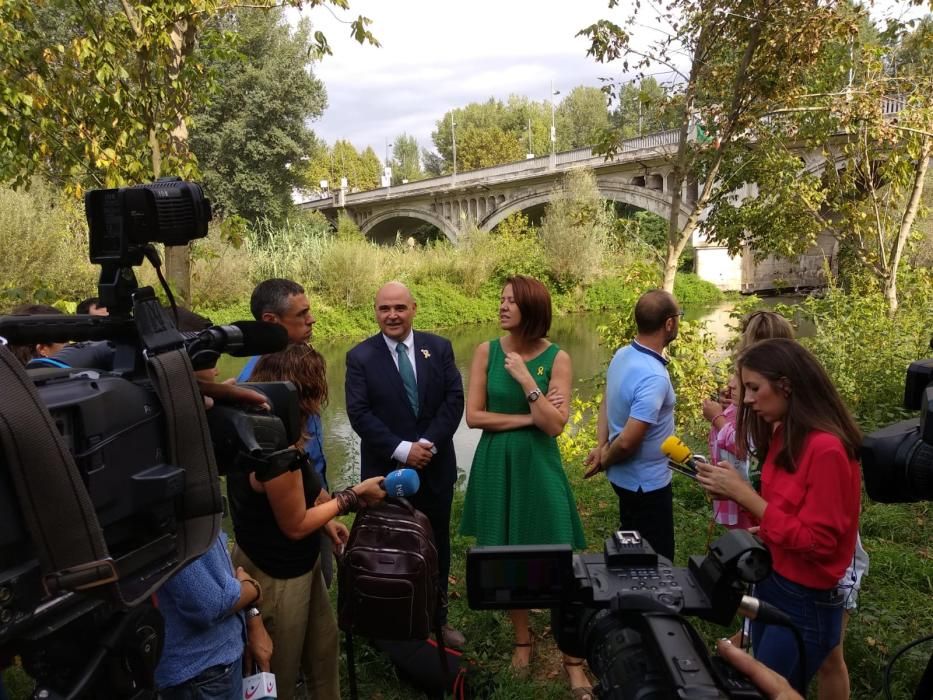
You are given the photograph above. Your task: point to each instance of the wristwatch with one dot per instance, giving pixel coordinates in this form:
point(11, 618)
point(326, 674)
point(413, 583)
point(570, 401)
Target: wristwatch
point(533, 395)
point(252, 612)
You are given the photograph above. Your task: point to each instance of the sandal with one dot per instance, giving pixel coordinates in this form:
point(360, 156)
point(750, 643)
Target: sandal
point(580, 692)
point(525, 670)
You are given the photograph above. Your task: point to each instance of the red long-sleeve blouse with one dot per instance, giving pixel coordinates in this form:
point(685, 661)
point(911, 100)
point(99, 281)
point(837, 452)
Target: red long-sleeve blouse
point(811, 521)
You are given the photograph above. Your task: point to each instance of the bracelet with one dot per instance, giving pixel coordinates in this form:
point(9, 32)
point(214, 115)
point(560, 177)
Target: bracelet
point(347, 501)
point(255, 584)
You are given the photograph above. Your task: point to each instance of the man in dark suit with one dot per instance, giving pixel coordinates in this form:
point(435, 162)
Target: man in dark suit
point(405, 401)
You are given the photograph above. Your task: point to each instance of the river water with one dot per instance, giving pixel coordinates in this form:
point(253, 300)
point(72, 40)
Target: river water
point(577, 334)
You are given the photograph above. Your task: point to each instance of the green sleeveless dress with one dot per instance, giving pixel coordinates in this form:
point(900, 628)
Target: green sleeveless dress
point(518, 492)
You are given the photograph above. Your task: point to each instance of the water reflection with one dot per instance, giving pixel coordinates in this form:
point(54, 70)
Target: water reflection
point(577, 334)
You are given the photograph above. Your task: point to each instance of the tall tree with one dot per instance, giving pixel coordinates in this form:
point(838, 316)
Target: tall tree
point(362, 170)
point(869, 192)
point(109, 102)
point(581, 117)
point(644, 106)
point(745, 60)
point(405, 162)
point(250, 138)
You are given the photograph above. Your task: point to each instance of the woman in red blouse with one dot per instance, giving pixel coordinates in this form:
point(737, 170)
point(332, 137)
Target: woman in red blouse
point(793, 419)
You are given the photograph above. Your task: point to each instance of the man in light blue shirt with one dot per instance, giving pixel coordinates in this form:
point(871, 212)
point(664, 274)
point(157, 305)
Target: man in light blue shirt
point(636, 415)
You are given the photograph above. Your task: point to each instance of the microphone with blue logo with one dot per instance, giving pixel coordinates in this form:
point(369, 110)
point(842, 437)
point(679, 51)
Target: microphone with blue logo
point(402, 483)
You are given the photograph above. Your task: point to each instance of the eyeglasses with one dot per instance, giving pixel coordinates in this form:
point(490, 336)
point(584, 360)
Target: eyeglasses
point(679, 314)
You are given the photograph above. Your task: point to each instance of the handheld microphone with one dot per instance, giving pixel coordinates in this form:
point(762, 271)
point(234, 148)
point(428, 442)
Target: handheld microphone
point(240, 339)
point(679, 454)
point(402, 483)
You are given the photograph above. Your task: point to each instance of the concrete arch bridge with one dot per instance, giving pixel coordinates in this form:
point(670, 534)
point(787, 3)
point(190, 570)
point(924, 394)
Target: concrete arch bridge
point(639, 176)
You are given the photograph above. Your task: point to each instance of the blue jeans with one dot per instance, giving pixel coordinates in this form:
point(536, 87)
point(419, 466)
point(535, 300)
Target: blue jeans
point(816, 614)
point(214, 683)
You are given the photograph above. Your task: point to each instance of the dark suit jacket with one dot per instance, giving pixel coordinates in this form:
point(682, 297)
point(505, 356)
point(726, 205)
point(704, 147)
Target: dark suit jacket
point(381, 415)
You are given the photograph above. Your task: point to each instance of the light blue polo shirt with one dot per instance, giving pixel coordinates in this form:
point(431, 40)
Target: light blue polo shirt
point(638, 386)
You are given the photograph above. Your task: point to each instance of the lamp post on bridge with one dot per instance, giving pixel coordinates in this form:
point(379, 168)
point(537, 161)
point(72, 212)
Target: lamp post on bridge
point(554, 93)
point(453, 140)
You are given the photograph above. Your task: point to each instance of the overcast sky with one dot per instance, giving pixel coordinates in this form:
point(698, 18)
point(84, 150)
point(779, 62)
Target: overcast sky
point(441, 54)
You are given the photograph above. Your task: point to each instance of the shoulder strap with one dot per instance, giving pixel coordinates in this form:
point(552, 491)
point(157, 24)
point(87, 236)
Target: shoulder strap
point(67, 535)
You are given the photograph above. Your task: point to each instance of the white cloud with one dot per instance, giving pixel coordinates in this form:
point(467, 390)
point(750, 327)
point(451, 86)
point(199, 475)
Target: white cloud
point(441, 54)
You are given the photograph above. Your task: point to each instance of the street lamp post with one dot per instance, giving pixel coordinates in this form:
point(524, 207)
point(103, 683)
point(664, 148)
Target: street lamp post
point(453, 140)
point(554, 93)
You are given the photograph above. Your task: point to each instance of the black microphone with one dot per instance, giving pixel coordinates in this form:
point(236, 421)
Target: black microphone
point(240, 339)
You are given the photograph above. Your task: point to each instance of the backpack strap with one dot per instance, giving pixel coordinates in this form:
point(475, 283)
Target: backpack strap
point(351, 664)
point(55, 505)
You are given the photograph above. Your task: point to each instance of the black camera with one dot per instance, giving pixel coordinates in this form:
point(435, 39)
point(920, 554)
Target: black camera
point(623, 610)
point(108, 463)
point(897, 460)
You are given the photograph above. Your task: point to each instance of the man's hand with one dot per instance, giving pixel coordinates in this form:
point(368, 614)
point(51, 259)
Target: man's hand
point(594, 462)
point(338, 533)
point(419, 456)
point(772, 684)
point(258, 650)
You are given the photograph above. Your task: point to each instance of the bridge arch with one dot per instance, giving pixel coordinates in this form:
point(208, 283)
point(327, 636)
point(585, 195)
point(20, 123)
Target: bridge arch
point(411, 213)
point(640, 197)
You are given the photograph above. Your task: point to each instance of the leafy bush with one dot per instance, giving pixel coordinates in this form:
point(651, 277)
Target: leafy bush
point(865, 351)
point(44, 237)
point(574, 233)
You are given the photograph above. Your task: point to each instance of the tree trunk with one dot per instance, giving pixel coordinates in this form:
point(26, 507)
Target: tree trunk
point(907, 221)
point(178, 271)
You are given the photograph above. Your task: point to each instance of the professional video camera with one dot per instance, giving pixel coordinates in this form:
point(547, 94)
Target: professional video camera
point(897, 460)
point(108, 476)
point(621, 610)
point(897, 465)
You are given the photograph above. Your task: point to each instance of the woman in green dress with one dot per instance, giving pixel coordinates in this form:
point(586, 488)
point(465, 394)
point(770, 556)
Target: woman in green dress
point(518, 493)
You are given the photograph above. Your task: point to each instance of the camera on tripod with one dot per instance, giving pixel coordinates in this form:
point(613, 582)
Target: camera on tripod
point(108, 464)
point(623, 610)
point(897, 460)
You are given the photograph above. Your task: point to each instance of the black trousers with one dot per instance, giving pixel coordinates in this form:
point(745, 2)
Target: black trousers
point(437, 509)
point(652, 514)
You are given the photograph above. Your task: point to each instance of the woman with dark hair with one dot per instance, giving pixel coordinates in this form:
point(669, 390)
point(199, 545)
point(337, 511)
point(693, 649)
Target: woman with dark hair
point(277, 525)
point(518, 493)
point(792, 418)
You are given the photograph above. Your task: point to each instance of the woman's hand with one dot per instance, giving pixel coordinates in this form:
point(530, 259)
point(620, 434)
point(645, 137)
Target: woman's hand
point(371, 490)
point(338, 533)
point(721, 480)
point(555, 397)
point(515, 366)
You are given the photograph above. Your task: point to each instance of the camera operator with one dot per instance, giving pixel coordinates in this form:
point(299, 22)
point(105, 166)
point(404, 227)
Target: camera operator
point(811, 485)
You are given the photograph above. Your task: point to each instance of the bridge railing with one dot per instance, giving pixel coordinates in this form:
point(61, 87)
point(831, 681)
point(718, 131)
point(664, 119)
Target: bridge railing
point(528, 166)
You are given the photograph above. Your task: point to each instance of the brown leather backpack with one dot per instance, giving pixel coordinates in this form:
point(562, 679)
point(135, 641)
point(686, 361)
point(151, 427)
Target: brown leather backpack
point(388, 587)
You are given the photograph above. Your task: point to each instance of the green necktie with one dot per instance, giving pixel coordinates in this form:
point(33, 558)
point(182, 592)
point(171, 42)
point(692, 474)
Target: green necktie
point(408, 376)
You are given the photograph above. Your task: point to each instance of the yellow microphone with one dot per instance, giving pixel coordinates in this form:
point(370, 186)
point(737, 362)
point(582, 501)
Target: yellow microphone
point(681, 459)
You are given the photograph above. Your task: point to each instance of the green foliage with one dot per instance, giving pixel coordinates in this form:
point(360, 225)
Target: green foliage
point(643, 107)
point(517, 251)
point(405, 163)
point(362, 169)
point(581, 117)
point(254, 131)
point(574, 233)
point(865, 351)
point(45, 242)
